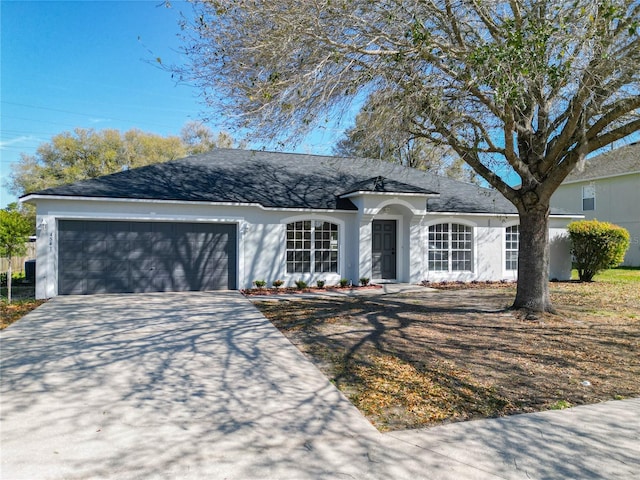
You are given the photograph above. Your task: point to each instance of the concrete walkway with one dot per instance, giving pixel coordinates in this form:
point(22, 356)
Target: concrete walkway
point(202, 386)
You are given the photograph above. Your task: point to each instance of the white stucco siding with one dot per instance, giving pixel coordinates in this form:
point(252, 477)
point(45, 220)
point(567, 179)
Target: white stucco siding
point(486, 249)
point(261, 245)
point(616, 201)
point(416, 252)
point(559, 251)
point(261, 239)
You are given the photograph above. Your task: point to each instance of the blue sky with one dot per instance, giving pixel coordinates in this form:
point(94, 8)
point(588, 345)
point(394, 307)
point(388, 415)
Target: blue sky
point(90, 64)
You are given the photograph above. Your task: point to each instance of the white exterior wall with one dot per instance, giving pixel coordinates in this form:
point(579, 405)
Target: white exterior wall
point(617, 201)
point(559, 250)
point(262, 232)
point(261, 235)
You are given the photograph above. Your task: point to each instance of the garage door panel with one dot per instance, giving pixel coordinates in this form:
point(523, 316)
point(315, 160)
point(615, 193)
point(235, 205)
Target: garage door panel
point(73, 286)
point(102, 286)
point(139, 227)
point(142, 264)
point(74, 264)
point(163, 246)
point(71, 235)
point(120, 257)
point(95, 247)
point(69, 250)
point(97, 265)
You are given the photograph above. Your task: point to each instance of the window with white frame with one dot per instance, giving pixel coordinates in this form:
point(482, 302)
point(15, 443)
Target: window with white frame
point(588, 197)
point(450, 248)
point(312, 247)
point(511, 245)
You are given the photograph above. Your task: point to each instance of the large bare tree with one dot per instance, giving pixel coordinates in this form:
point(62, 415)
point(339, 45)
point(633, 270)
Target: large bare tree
point(527, 86)
point(374, 136)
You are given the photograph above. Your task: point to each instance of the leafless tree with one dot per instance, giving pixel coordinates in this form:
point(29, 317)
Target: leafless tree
point(530, 86)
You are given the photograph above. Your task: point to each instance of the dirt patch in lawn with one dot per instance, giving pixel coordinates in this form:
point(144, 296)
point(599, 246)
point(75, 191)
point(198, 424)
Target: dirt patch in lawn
point(12, 312)
point(420, 359)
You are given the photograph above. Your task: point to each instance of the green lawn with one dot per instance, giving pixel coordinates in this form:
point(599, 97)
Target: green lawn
point(615, 275)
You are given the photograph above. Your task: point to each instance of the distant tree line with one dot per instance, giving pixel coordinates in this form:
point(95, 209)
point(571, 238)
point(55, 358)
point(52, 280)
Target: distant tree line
point(86, 153)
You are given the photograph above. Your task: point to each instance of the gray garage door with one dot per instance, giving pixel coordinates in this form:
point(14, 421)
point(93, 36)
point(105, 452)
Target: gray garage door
point(122, 257)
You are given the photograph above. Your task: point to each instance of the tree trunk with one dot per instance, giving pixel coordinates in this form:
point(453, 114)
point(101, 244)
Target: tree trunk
point(533, 260)
point(9, 282)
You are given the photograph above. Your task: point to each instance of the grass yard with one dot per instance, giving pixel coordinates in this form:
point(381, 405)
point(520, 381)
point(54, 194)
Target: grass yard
point(416, 360)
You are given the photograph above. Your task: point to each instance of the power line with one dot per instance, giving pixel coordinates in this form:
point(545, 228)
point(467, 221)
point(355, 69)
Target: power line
point(77, 113)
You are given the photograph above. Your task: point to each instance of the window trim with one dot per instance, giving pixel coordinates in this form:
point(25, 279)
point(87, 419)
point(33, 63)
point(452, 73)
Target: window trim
point(449, 222)
point(312, 271)
point(507, 250)
point(589, 188)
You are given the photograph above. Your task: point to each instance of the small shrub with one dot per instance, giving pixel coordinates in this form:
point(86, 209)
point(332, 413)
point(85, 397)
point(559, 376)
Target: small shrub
point(560, 405)
point(277, 283)
point(301, 284)
point(364, 281)
point(344, 282)
point(260, 284)
point(320, 283)
point(596, 246)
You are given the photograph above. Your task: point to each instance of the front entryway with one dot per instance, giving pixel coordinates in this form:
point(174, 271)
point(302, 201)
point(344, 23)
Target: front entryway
point(383, 249)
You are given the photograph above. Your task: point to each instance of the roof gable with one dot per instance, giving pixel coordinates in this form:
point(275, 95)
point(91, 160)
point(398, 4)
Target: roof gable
point(384, 185)
point(621, 161)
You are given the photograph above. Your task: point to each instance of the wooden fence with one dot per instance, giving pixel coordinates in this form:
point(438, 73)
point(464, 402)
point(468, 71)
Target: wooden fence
point(17, 264)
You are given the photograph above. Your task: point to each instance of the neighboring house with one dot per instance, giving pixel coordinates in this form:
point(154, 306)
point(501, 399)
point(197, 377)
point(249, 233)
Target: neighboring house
point(607, 188)
point(229, 217)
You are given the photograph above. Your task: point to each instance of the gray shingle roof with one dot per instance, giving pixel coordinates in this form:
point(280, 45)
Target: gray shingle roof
point(382, 184)
point(281, 180)
point(620, 161)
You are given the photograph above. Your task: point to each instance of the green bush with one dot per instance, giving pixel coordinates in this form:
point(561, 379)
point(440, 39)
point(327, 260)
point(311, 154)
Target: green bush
point(596, 246)
point(260, 284)
point(301, 284)
point(277, 283)
point(320, 283)
point(344, 282)
point(364, 281)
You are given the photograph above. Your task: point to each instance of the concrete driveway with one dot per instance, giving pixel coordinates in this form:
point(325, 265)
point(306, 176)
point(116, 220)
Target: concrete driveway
point(201, 385)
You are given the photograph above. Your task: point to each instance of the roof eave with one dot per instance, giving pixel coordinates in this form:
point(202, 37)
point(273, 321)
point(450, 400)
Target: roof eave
point(601, 177)
point(391, 194)
point(33, 196)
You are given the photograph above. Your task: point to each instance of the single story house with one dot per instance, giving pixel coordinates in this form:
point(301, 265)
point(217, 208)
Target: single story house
point(223, 219)
point(607, 188)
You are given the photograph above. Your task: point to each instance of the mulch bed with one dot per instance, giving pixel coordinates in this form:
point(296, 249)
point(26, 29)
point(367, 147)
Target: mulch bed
point(294, 290)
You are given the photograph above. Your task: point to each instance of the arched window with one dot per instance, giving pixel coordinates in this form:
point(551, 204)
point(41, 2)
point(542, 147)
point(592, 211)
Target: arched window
point(312, 247)
point(450, 247)
point(511, 245)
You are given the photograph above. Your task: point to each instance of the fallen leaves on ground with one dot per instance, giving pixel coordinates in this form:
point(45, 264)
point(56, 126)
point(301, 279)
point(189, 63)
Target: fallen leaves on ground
point(11, 312)
point(422, 359)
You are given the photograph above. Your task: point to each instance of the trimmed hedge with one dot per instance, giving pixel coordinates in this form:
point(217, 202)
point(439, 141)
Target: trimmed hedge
point(597, 246)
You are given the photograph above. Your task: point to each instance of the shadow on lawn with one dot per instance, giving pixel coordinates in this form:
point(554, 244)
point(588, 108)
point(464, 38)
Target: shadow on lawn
point(195, 385)
point(200, 385)
point(488, 361)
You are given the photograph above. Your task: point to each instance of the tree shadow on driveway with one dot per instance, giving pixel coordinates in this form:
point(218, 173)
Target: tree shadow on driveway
point(193, 385)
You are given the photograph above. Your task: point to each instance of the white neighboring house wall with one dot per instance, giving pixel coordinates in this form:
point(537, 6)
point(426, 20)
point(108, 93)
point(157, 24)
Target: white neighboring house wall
point(616, 200)
point(262, 236)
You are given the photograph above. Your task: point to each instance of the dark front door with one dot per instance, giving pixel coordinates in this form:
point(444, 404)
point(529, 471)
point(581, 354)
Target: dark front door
point(383, 249)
